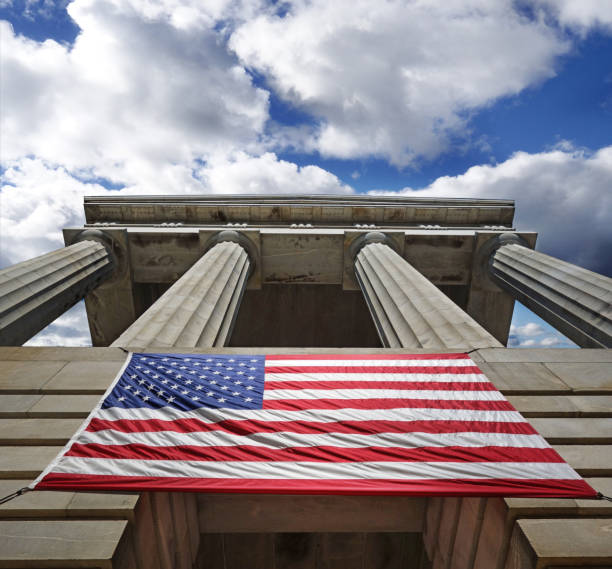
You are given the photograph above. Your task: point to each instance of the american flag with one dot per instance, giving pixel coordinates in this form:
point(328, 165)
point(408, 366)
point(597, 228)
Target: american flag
point(426, 424)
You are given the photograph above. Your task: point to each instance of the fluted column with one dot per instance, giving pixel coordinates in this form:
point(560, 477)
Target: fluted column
point(575, 301)
point(34, 293)
point(200, 308)
point(408, 310)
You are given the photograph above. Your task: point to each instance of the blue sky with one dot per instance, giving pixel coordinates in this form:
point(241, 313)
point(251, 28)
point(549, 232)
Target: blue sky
point(462, 98)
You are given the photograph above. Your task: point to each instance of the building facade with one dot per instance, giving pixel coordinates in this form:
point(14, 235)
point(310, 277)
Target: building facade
point(302, 274)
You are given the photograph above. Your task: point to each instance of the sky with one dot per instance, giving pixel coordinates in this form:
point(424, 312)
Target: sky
point(452, 98)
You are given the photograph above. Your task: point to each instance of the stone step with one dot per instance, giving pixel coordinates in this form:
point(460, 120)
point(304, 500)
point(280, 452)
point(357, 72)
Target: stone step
point(50, 505)
point(588, 460)
point(40, 432)
point(66, 543)
point(574, 431)
point(46, 406)
point(20, 462)
point(536, 544)
point(562, 405)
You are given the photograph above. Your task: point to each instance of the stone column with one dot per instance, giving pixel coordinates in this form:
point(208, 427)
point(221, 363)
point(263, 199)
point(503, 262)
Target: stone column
point(34, 293)
point(408, 310)
point(575, 301)
point(200, 308)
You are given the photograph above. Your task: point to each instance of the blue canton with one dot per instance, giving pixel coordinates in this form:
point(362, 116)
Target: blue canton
point(188, 382)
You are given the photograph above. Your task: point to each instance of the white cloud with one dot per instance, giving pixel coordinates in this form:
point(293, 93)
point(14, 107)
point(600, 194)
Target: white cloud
point(565, 195)
point(396, 79)
point(139, 92)
point(581, 14)
point(70, 329)
point(529, 329)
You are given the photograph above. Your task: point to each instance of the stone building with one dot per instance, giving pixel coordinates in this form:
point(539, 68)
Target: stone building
point(236, 274)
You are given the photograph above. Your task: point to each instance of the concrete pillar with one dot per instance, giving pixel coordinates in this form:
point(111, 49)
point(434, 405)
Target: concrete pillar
point(199, 309)
point(408, 310)
point(34, 293)
point(575, 301)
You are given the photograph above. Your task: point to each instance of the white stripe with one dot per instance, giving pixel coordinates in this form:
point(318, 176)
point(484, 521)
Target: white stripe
point(329, 376)
point(275, 394)
point(369, 363)
point(316, 470)
point(320, 415)
point(288, 440)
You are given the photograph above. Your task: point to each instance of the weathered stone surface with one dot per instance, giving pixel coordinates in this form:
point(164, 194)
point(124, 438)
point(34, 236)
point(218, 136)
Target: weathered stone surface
point(574, 431)
point(543, 355)
point(563, 405)
point(570, 542)
point(588, 460)
point(82, 378)
point(584, 377)
point(199, 309)
point(519, 377)
point(20, 462)
point(37, 431)
point(575, 301)
point(34, 293)
point(60, 543)
point(409, 311)
point(16, 405)
point(27, 377)
point(64, 406)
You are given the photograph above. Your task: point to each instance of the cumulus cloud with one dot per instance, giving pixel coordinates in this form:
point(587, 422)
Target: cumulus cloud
point(565, 194)
point(139, 91)
point(395, 79)
point(70, 329)
point(529, 329)
point(581, 16)
point(534, 335)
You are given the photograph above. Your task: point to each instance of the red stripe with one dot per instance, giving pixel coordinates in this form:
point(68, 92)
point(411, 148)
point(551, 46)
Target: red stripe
point(413, 385)
point(339, 357)
point(371, 369)
point(247, 427)
point(315, 454)
point(299, 404)
point(542, 488)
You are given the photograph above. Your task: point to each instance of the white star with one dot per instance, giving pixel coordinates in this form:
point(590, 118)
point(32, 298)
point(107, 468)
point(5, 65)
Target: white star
point(164, 359)
point(195, 398)
point(128, 387)
point(185, 392)
point(121, 399)
point(229, 368)
point(137, 392)
point(142, 381)
point(188, 382)
point(236, 393)
point(202, 377)
point(209, 360)
point(249, 387)
point(165, 381)
point(147, 371)
point(138, 367)
point(146, 398)
point(241, 364)
point(252, 368)
point(212, 382)
point(231, 361)
point(143, 359)
point(210, 393)
point(254, 360)
point(160, 393)
point(187, 359)
point(221, 400)
point(198, 387)
point(224, 387)
point(196, 364)
point(237, 382)
point(171, 399)
point(178, 376)
point(183, 367)
point(239, 373)
point(173, 364)
point(251, 377)
point(175, 386)
point(155, 376)
point(219, 364)
point(133, 376)
point(217, 372)
point(248, 399)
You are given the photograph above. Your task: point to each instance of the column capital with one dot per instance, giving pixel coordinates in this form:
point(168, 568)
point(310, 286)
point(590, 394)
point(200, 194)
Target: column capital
point(115, 251)
point(369, 238)
point(235, 237)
